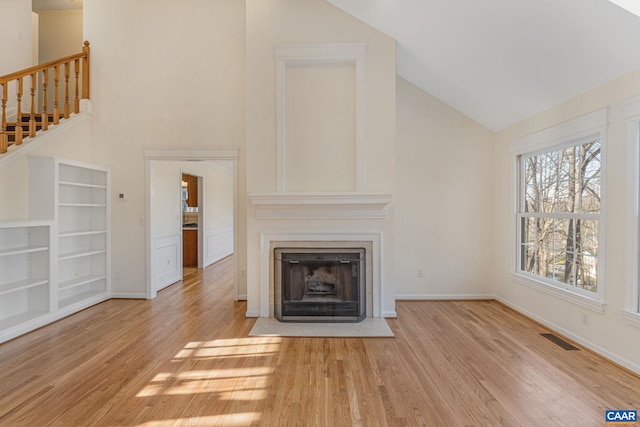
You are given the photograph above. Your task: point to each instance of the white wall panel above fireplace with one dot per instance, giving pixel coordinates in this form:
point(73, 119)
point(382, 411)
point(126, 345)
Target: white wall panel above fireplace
point(320, 117)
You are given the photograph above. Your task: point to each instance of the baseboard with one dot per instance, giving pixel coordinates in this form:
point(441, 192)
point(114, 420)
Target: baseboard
point(444, 297)
point(631, 366)
point(125, 295)
point(252, 314)
point(389, 314)
point(242, 297)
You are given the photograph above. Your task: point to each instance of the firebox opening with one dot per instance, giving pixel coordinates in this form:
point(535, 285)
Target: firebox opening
point(319, 285)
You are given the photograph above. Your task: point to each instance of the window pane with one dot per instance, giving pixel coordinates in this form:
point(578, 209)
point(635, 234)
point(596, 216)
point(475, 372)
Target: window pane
point(529, 261)
point(590, 167)
point(587, 237)
point(531, 192)
point(545, 262)
point(566, 195)
point(590, 194)
point(561, 229)
point(559, 260)
point(586, 272)
point(547, 185)
point(529, 230)
point(544, 234)
point(568, 270)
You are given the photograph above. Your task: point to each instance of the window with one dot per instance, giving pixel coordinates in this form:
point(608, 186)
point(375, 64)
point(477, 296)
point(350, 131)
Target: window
point(560, 215)
point(559, 210)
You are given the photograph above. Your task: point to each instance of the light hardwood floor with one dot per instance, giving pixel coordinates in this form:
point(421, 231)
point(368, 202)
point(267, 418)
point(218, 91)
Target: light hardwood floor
point(184, 358)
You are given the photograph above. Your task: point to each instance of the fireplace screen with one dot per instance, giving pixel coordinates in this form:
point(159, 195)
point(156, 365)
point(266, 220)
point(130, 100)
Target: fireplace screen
point(319, 285)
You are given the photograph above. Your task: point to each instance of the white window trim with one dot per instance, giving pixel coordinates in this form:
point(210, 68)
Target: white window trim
point(591, 124)
point(631, 312)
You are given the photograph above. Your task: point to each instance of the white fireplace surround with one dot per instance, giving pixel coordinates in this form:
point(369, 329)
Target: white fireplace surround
point(372, 242)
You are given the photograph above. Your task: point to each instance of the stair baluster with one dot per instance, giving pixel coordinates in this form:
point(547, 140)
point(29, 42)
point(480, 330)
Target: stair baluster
point(67, 74)
point(32, 113)
point(56, 79)
point(76, 97)
point(4, 143)
point(18, 127)
point(45, 101)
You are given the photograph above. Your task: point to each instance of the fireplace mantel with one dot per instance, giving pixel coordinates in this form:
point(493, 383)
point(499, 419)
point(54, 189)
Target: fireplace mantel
point(287, 205)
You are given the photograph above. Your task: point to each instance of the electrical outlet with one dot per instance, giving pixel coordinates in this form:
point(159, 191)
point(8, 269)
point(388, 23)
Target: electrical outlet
point(243, 274)
point(585, 319)
point(118, 275)
point(420, 273)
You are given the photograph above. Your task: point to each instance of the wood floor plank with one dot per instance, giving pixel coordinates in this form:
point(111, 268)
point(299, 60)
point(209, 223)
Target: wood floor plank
point(185, 358)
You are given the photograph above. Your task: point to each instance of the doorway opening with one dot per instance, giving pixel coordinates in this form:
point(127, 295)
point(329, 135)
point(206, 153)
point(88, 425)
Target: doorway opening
point(200, 226)
point(190, 200)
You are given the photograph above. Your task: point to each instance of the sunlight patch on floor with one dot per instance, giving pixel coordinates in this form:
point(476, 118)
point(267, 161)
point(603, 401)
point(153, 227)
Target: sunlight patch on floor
point(224, 368)
point(238, 419)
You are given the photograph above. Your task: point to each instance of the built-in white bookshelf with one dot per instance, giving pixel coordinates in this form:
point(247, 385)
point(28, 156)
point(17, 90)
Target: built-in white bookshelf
point(58, 261)
point(25, 275)
point(76, 195)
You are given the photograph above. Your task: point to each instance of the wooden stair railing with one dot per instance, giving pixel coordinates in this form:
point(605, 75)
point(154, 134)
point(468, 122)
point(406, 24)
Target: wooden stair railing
point(37, 117)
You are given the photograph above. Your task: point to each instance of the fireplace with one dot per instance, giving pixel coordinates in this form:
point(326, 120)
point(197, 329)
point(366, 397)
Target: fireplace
point(319, 284)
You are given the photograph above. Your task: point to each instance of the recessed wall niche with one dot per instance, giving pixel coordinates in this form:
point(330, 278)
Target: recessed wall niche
point(320, 118)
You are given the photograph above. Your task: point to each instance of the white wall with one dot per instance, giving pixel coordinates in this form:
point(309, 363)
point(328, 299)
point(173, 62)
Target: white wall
point(35, 37)
point(282, 22)
point(176, 83)
point(444, 209)
point(71, 141)
point(218, 177)
point(165, 177)
point(60, 34)
point(15, 35)
point(606, 333)
point(15, 43)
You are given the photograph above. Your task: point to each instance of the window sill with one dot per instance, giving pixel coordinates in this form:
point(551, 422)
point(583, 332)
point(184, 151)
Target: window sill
point(631, 318)
point(572, 297)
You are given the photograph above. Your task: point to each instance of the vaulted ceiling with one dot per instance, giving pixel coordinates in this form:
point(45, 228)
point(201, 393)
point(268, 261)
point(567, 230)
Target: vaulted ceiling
point(501, 61)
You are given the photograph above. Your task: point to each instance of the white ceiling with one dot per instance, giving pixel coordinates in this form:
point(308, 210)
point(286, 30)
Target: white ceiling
point(501, 61)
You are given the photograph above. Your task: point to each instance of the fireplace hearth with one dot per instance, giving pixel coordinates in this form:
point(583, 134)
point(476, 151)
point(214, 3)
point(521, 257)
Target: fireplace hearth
point(319, 285)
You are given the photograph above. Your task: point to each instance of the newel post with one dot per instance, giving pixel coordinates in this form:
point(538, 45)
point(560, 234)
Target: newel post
point(86, 70)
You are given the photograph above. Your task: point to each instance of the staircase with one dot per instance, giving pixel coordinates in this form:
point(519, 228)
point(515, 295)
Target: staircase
point(13, 134)
point(64, 81)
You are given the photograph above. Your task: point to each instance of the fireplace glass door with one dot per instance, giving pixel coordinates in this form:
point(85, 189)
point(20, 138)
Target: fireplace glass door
point(319, 285)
